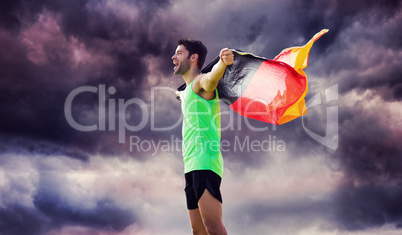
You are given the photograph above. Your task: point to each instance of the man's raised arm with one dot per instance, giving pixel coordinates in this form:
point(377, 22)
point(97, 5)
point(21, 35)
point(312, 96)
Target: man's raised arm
point(209, 81)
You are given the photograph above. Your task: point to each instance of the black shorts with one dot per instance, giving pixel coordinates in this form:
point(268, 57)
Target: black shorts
point(199, 180)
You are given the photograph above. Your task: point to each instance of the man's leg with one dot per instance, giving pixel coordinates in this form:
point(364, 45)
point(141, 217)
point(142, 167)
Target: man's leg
point(196, 222)
point(210, 210)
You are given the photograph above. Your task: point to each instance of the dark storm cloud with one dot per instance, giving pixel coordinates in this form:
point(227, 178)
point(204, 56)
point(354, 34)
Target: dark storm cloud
point(40, 41)
point(369, 150)
point(40, 44)
point(339, 15)
point(368, 206)
point(364, 42)
point(370, 157)
point(16, 219)
point(37, 203)
point(25, 146)
point(106, 215)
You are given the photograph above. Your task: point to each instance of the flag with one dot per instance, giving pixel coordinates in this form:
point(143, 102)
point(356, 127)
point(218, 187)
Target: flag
point(271, 91)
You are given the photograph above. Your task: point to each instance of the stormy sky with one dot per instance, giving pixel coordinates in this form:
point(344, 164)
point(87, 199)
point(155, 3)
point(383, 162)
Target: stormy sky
point(105, 66)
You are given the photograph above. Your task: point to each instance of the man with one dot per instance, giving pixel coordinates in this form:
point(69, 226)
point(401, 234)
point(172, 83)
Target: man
point(203, 163)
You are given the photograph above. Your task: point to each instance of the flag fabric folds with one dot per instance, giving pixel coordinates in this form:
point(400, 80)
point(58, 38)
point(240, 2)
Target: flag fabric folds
point(271, 91)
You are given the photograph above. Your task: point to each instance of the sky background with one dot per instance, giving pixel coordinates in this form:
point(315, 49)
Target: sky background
point(55, 179)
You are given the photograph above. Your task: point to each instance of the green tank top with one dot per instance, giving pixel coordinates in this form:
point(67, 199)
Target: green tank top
point(201, 132)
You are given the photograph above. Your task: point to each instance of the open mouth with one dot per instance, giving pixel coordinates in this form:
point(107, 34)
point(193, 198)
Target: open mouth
point(176, 63)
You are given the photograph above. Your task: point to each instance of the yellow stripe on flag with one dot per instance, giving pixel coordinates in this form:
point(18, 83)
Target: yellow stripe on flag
point(299, 61)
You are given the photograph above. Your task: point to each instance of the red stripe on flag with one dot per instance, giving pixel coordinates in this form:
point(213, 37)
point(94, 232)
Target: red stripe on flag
point(274, 87)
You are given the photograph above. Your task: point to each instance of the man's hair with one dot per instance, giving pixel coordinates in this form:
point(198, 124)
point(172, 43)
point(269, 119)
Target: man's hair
point(195, 47)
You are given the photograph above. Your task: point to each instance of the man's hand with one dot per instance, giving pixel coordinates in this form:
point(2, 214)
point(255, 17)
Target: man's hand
point(226, 56)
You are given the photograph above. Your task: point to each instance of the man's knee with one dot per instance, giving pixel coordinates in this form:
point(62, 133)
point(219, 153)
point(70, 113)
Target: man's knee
point(199, 231)
point(215, 227)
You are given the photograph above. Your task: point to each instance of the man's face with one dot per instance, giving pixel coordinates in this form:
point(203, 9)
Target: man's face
point(181, 60)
